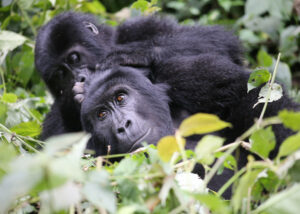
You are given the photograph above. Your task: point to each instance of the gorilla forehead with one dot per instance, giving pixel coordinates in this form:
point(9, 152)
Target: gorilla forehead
point(98, 87)
point(118, 75)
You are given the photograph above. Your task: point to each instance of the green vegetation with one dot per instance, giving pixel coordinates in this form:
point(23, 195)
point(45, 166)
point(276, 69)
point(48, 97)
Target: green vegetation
point(56, 177)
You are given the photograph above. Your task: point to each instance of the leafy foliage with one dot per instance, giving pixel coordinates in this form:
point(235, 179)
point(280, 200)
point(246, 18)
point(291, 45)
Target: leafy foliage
point(58, 177)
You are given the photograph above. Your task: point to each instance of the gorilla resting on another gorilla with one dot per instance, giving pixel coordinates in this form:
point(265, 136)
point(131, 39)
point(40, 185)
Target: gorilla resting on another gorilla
point(122, 108)
point(201, 66)
point(70, 45)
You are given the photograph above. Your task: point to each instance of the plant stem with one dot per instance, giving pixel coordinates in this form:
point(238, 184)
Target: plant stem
point(269, 92)
point(230, 181)
point(3, 80)
point(219, 162)
point(24, 13)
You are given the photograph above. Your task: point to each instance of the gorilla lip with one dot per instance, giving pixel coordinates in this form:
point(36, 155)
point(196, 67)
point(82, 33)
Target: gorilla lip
point(140, 139)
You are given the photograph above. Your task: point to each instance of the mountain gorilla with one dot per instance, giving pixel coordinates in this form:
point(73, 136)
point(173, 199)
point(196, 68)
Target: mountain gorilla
point(122, 108)
point(70, 45)
point(66, 48)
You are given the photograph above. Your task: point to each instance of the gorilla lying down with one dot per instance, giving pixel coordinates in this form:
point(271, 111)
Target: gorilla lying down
point(72, 45)
point(122, 108)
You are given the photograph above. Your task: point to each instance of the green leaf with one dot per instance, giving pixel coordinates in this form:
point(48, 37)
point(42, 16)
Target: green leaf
point(10, 40)
point(283, 74)
point(31, 129)
point(213, 203)
point(60, 198)
point(202, 123)
point(290, 119)
point(229, 162)
point(98, 191)
point(263, 141)
point(166, 147)
point(141, 5)
point(244, 184)
point(285, 202)
point(264, 59)
point(257, 78)
point(25, 4)
point(276, 94)
point(290, 145)
point(206, 147)
point(9, 98)
point(3, 112)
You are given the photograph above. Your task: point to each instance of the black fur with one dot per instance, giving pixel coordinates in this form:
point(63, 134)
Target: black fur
point(67, 33)
point(144, 109)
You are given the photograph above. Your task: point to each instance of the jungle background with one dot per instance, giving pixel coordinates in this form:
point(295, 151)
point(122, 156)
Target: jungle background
point(52, 177)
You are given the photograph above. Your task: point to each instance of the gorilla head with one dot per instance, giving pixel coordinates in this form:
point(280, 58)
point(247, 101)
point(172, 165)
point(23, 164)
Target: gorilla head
point(66, 46)
point(122, 108)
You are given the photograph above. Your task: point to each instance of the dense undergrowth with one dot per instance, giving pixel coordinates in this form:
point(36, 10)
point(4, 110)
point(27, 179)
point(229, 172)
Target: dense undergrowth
point(57, 177)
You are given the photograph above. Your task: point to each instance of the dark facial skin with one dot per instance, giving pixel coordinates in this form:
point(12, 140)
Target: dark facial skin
point(120, 112)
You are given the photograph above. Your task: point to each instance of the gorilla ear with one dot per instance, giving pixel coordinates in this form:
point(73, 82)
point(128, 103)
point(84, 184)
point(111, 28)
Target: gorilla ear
point(91, 27)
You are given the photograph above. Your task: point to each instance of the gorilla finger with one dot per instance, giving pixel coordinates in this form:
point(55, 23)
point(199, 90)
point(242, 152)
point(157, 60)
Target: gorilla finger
point(79, 98)
point(78, 88)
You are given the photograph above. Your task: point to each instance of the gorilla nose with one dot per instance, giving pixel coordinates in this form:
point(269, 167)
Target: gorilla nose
point(81, 78)
point(123, 129)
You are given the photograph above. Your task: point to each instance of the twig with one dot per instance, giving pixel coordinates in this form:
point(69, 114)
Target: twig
point(269, 92)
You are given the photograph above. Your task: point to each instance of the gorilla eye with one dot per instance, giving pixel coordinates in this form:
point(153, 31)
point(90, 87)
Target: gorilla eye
point(101, 114)
point(73, 58)
point(120, 98)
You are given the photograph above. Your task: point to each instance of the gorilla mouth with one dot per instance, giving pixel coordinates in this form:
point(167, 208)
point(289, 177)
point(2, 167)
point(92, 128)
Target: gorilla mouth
point(140, 139)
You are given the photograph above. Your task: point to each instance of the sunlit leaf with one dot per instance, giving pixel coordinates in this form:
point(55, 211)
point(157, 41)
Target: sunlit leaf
point(166, 147)
point(264, 59)
point(263, 142)
point(60, 198)
point(290, 145)
point(290, 119)
point(276, 94)
point(10, 40)
point(31, 129)
point(285, 202)
point(257, 78)
point(206, 147)
point(202, 123)
point(141, 5)
point(213, 203)
point(9, 98)
point(242, 189)
point(98, 191)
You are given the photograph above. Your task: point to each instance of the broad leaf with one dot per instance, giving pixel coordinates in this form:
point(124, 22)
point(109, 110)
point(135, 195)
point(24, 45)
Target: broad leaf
point(213, 203)
point(276, 94)
point(264, 59)
point(263, 141)
point(285, 202)
point(290, 119)
point(257, 78)
point(242, 189)
point(31, 129)
point(9, 98)
point(202, 123)
point(166, 148)
point(10, 40)
point(290, 145)
point(206, 147)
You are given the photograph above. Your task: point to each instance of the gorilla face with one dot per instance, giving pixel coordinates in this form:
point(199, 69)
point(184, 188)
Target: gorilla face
point(67, 47)
point(122, 109)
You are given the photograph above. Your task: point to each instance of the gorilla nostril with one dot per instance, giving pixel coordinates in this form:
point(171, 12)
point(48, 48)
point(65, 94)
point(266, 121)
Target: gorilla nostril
point(128, 123)
point(81, 78)
point(121, 130)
